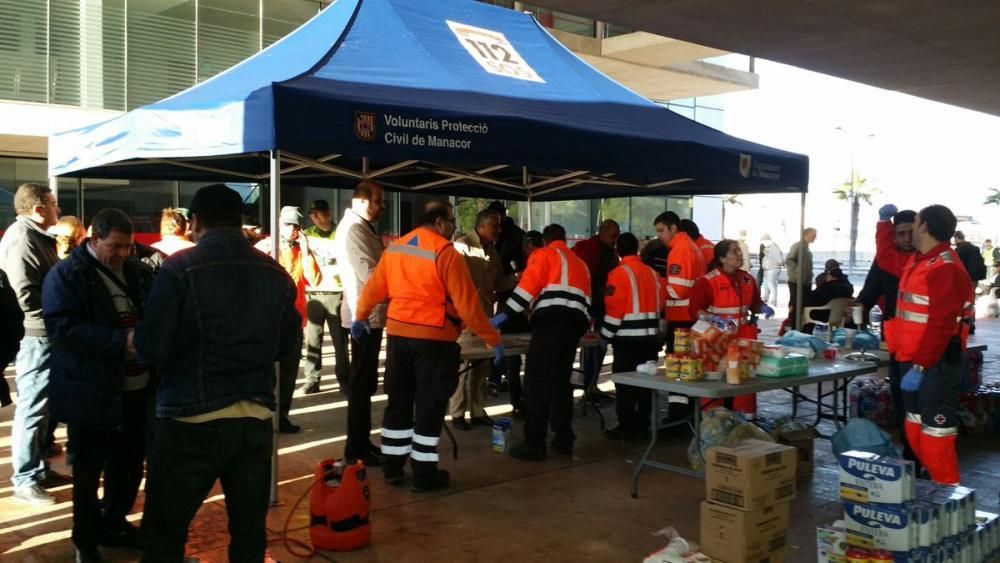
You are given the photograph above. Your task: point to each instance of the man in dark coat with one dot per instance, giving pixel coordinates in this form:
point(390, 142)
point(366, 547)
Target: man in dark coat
point(91, 303)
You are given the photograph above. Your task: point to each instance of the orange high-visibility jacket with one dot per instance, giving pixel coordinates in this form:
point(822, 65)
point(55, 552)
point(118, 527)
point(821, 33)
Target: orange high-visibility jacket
point(707, 248)
point(935, 296)
point(731, 302)
point(429, 289)
point(685, 264)
point(633, 301)
point(555, 280)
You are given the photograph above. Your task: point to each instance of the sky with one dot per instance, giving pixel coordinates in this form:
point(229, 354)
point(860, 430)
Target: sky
point(917, 152)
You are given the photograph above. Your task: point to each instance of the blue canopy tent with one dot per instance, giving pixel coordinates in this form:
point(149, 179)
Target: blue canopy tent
point(452, 96)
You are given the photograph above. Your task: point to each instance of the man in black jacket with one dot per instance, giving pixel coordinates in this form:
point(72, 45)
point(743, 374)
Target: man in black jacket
point(972, 259)
point(882, 287)
point(27, 253)
point(100, 389)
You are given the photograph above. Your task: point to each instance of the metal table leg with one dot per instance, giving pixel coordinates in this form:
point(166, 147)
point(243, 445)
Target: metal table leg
point(654, 426)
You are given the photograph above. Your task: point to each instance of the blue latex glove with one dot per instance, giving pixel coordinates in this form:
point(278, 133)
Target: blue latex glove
point(911, 381)
point(498, 320)
point(767, 311)
point(360, 328)
point(498, 357)
point(886, 212)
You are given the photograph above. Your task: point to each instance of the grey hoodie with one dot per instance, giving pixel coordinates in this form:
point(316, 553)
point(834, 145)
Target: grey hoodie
point(27, 253)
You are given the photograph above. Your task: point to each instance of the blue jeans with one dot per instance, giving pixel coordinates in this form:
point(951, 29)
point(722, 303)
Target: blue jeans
point(31, 416)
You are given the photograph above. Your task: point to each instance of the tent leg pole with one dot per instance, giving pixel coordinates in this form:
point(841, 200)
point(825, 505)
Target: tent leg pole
point(364, 167)
point(54, 186)
point(524, 182)
point(275, 249)
point(799, 289)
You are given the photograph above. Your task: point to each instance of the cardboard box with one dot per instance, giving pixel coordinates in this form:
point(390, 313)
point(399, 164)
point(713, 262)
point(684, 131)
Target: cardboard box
point(802, 441)
point(750, 475)
point(730, 534)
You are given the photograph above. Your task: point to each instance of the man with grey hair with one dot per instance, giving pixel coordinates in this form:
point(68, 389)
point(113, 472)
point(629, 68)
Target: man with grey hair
point(27, 253)
point(481, 255)
point(799, 262)
point(92, 301)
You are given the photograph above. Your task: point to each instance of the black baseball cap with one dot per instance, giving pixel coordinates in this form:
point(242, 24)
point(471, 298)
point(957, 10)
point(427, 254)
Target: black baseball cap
point(319, 205)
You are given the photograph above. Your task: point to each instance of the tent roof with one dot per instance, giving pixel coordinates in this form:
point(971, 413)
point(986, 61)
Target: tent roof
point(451, 96)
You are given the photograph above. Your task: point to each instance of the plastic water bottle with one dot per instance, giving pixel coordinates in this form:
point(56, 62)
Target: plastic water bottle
point(854, 398)
point(869, 401)
point(875, 320)
point(883, 410)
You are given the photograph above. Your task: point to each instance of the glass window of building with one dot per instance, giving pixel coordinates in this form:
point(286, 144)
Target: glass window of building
point(161, 50)
point(616, 209)
point(23, 50)
point(142, 200)
point(282, 17)
point(574, 216)
point(228, 32)
point(644, 212)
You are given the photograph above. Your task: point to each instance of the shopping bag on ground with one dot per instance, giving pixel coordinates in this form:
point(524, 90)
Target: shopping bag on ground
point(863, 435)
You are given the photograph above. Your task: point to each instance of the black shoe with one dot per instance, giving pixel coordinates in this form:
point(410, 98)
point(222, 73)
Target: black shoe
point(519, 413)
point(460, 424)
point(616, 433)
point(374, 450)
point(286, 427)
point(310, 388)
point(481, 421)
point(431, 481)
point(526, 452)
point(125, 535)
point(53, 479)
point(492, 389)
point(368, 458)
point(53, 450)
point(564, 447)
point(87, 555)
point(600, 398)
point(393, 474)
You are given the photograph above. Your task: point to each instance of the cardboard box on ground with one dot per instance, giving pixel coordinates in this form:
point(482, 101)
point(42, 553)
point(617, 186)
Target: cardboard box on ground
point(802, 440)
point(749, 486)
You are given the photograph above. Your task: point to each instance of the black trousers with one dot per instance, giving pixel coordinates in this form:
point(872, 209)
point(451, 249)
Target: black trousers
point(793, 315)
point(116, 454)
point(363, 382)
point(633, 404)
point(184, 465)
point(899, 407)
point(420, 377)
point(323, 309)
point(549, 396)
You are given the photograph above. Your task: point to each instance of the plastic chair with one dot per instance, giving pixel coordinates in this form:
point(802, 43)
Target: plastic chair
point(836, 308)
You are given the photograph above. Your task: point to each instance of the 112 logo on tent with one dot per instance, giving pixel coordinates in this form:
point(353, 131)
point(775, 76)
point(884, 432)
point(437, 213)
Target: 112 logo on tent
point(493, 52)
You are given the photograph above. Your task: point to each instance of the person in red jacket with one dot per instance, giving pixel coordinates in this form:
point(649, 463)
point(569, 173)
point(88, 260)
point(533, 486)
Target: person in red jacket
point(730, 293)
point(706, 246)
point(685, 264)
point(929, 333)
point(431, 297)
point(555, 288)
point(633, 304)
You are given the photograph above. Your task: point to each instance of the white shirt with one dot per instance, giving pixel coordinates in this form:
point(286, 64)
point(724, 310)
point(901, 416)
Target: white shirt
point(357, 248)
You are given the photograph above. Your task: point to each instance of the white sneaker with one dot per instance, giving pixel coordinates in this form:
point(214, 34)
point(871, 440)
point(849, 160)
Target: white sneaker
point(34, 494)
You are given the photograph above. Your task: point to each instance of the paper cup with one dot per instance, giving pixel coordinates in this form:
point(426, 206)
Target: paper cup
point(857, 314)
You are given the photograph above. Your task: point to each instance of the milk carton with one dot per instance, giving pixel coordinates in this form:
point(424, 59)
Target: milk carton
point(950, 517)
point(988, 525)
point(866, 477)
point(881, 526)
point(928, 517)
point(966, 499)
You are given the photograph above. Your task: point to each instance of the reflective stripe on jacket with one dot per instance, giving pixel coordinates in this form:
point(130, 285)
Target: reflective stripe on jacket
point(633, 301)
point(685, 264)
point(555, 278)
point(731, 302)
point(926, 312)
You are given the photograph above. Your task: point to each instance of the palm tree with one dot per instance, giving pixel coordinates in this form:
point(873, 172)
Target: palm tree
point(855, 191)
point(994, 198)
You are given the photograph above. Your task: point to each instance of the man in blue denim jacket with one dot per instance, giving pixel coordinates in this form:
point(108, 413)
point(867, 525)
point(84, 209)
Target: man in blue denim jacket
point(218, 317)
